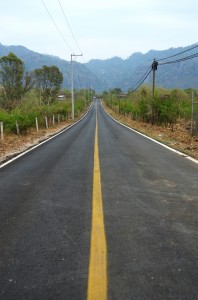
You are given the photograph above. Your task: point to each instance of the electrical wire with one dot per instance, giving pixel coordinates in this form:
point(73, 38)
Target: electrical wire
point(143, 76)
point(142, 79)
point(69, 26)
point(180, 59)
point(62, 36)
point(146, 74)
point(196, 45)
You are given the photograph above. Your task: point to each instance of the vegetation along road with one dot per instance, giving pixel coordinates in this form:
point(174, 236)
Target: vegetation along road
point(99, 212)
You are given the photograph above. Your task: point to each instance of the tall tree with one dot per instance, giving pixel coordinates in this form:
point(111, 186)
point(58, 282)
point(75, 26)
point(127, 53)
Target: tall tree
point(13, 81)
point(48, 81)
point(11, 76)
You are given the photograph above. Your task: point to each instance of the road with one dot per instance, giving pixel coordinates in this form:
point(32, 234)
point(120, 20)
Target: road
point(149, 196)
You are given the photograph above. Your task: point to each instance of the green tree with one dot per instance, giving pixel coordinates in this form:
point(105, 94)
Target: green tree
point(117, 91)
point(14, 82)
point(48, 81)
point(11, 76)
point(28, 81)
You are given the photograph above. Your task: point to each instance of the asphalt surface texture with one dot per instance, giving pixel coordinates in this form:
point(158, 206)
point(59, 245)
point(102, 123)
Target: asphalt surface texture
point(150, 203)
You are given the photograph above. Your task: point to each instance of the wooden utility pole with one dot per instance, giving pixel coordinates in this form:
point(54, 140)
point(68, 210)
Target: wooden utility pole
point(154, 68)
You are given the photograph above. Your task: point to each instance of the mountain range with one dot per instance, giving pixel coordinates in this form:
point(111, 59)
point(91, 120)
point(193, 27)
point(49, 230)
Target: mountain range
point(116, 72)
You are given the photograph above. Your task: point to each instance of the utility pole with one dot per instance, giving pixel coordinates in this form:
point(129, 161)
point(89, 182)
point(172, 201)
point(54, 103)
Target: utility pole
point(192, 112)
point(154, 68)
point(72, 83)
point(193, 127)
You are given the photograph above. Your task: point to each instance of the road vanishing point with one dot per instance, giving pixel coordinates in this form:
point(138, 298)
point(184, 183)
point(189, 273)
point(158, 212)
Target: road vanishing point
point(99, 212)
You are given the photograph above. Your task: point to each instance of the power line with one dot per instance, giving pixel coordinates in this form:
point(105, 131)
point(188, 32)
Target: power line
point(155, 64)
point(154, 67)
point(178, 53)
point(142, 79)
point(146, 74)
point(180, 59)
point(69, 26)
point(62, 36)
point(143, 76)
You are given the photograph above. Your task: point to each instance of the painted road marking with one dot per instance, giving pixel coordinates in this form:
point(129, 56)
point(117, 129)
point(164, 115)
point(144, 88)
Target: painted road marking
point(97, 280)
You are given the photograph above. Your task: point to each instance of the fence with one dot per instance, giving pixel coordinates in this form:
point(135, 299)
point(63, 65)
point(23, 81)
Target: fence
point(48, 121)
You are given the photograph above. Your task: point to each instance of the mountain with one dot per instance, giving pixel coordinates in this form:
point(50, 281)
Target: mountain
point(124, 74)
point(83, 77)
point(117, 72)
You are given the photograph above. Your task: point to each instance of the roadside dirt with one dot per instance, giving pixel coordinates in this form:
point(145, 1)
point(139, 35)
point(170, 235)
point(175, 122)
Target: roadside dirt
point(177, 137)
point(12, 144)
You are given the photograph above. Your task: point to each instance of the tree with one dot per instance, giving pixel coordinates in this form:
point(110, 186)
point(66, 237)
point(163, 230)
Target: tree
point(28, 81)
point(48, 81)
point(11, 75)
point(117, 91)
point(12, 79)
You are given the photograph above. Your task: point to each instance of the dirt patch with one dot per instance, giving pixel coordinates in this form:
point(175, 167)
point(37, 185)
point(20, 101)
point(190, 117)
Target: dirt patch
point(177, 137)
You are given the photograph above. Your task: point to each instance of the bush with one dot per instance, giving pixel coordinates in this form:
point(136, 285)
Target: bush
point(30, 108)
point(163, 109)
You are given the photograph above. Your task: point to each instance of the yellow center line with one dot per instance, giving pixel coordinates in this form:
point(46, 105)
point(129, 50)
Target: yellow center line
point(97, 280)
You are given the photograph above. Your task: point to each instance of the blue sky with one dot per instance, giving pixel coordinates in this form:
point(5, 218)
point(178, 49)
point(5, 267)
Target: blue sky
point(102, 29)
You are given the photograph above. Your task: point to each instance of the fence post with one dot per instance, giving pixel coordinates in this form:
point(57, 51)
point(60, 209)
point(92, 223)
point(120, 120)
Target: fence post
point(53, 120)
point(46, 122)
point(36, 119)
point(17, 128)
point(1, 125)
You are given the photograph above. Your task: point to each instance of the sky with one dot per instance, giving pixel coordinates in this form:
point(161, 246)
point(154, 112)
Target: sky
point(98, 29)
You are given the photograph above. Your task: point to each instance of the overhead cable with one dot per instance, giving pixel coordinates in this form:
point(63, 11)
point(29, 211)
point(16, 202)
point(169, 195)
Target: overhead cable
point(143, 78)
point(69, 26)
point(62, 36)
point(180, 59)
point(146, 74)
point(195, 46)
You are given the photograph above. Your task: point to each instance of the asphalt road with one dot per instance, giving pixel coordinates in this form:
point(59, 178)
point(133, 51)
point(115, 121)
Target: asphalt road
point(150, 203)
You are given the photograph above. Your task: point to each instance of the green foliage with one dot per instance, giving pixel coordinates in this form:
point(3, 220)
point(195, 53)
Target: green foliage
point(21, 104)
point(24, 120)
point(11, 74)
point(48, 81)
point(125, 107)
point(163, 109)
point(14, 82)
point(30, 108)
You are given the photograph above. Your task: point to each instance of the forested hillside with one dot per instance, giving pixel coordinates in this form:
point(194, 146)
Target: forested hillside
point(83, 77)
point(120, 73)
point(116, 72)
